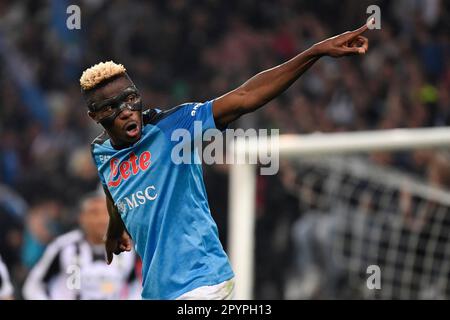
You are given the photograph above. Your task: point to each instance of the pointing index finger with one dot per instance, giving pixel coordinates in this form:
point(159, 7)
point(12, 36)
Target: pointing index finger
point(364, 27)
point(360, 30)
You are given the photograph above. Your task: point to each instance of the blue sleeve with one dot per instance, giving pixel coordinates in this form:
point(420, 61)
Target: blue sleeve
point(194, 117)
point(102, 180)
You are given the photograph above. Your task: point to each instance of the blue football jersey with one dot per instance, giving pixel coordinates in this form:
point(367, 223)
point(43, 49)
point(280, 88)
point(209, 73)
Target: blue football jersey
point(164, 204)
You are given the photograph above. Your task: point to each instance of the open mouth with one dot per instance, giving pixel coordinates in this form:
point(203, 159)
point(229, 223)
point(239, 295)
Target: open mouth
point(132, 128)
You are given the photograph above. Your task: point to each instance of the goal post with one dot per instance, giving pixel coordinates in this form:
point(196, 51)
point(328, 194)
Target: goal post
point(242, 186)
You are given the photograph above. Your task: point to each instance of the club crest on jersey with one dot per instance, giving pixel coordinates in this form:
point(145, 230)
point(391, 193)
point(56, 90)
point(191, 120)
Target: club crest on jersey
point(122, 170)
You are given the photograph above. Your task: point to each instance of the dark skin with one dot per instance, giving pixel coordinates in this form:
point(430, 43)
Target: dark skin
point(250, 96)
point(118, 132)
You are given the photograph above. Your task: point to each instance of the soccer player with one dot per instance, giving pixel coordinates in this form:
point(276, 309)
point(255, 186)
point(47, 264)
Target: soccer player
point(6, 288)
point(73, 266)
point(162, 205)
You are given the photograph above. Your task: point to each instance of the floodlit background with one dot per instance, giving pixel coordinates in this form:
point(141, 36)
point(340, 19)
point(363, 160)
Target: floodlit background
point(311, 242)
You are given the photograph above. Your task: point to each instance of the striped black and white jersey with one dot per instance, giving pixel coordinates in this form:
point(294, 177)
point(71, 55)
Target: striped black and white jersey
point(71, 269)
point(6, 288)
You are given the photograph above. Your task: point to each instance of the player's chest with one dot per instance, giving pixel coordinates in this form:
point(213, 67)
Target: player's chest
point(130, 169)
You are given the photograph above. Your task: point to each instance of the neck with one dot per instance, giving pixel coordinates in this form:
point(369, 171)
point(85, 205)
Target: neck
point(120, 145)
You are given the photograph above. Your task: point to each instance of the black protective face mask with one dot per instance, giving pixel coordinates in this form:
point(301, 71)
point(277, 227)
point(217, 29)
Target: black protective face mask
point(108, 110)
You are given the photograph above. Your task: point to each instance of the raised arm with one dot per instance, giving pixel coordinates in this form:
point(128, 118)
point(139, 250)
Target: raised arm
point(268, 84)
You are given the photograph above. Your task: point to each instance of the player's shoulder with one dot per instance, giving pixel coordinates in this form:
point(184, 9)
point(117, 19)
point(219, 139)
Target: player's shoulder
point(67, 239)
point(153, 116)
point(100, 139)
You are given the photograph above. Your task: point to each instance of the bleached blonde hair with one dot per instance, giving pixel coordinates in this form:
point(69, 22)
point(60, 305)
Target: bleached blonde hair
point(99, 73)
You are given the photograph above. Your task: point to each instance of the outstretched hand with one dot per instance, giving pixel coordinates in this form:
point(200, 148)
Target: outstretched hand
point(116, 245)
point(346, 44)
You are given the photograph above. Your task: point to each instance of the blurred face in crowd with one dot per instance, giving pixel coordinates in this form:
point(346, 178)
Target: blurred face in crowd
point(94, 219)
point(117, 106)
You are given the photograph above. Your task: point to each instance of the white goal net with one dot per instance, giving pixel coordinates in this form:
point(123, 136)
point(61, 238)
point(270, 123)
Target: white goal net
point(359, 215)
point(365, 231)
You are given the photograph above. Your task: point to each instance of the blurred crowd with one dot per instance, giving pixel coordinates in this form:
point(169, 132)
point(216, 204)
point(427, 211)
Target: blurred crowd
point(178, 51)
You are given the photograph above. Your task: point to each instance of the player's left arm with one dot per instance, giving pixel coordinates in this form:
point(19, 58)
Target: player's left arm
point(268, 84)
point(117, 238)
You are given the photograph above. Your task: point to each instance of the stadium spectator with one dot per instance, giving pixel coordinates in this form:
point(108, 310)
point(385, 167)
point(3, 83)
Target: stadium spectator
point(74, 267)
point(6, 288)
